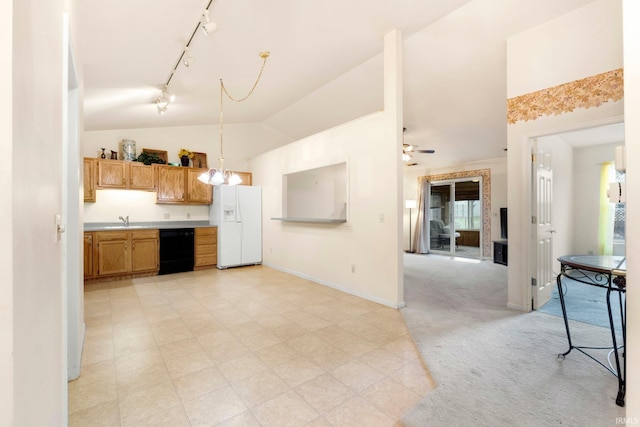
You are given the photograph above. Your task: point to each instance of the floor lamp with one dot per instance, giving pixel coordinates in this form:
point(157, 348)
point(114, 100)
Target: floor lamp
point(410, 204)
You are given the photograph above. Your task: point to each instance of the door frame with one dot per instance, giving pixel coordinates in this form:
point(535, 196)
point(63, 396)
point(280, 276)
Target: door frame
point(485, 174)
point(452, 189)
point(519, 282)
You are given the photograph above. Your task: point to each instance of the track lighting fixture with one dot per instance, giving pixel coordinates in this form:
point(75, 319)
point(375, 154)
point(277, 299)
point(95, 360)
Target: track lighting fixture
point(208, 26)
point(163, 101)
point(187, 59)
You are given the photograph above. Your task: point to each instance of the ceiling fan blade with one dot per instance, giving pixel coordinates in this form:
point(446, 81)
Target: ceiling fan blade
point(424, 151)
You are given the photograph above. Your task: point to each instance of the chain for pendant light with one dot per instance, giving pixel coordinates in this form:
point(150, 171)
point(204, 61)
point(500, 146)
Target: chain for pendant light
point(223, 90)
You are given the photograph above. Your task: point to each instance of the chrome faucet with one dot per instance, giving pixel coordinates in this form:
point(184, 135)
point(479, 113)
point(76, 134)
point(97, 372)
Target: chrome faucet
point(125, 220)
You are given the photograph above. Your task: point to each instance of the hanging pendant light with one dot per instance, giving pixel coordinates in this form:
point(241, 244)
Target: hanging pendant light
point(221, 176)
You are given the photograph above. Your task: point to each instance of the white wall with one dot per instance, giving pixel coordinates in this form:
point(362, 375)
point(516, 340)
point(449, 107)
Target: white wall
point(546, 49)
point(632, 146)
point(240, 143)
point(39, 352)
point(363, 256)
point(498, 167)
point(587, 163)
point(326, 253)
point(6, 216)
point(582, 43)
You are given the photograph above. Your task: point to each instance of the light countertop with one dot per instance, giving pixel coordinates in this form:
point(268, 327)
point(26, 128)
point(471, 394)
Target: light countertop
point(106, 226)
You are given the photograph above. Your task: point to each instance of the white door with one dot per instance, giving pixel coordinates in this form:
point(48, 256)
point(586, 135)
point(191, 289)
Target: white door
point(543, 280)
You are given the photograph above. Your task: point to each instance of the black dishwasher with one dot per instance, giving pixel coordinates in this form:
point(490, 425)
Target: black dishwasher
point(176, 250)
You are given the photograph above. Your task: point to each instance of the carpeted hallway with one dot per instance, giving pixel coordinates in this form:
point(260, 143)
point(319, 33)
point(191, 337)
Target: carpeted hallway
point(494, 366)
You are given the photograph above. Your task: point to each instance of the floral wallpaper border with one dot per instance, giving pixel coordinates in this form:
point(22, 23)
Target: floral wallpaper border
point(589, 92)
point(486, 199)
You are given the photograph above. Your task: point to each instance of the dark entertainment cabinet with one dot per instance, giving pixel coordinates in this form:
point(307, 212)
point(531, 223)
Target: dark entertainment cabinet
point(500, 251)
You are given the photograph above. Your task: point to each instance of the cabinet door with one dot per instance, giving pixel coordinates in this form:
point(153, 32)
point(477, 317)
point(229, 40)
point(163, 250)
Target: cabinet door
point(89, 180)
point(145, 250)
point(144, 255)
point(112, 174)
point(141, 177)
point(88, 255)
point(206, 246)
point(113, 257)
point(170, 184)
point(198, 192)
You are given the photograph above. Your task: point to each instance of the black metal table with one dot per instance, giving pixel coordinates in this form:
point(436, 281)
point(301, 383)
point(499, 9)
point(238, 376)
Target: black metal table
point(607, 272)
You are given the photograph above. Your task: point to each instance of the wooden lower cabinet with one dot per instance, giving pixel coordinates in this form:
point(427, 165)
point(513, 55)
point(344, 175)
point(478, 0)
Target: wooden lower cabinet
point(114, 256)
point(125, 252)
point(206, 247)
point(145, 250)
point(88, 254)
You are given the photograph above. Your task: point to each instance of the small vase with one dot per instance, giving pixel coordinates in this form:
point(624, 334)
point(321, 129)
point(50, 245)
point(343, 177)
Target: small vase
point(184, 160)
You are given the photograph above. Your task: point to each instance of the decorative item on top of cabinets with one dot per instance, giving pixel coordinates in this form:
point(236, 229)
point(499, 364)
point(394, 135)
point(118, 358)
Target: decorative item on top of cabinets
point(89, 180)
point(149, 156)
point(103, 155)
point(185, 156)
point(124, 175)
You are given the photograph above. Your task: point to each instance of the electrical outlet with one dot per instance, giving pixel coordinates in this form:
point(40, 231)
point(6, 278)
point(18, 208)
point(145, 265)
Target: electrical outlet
point(188, 215)
point(382, 218)
point(167, 215)
point(353, 268)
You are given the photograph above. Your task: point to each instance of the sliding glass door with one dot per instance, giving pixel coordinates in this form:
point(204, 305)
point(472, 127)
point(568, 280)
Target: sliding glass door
point(455, 217)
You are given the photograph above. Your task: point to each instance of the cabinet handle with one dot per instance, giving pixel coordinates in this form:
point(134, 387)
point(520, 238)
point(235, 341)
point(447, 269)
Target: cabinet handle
point(133, 246)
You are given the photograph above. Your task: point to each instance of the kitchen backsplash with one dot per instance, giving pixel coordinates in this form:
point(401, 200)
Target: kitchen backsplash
point(139, 206)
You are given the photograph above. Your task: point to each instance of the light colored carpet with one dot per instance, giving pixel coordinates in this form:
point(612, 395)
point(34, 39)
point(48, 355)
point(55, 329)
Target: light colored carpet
point(493, 366)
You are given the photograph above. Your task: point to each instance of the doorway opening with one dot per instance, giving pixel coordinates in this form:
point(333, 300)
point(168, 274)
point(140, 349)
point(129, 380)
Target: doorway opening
point(465, 206)
point(455, 217)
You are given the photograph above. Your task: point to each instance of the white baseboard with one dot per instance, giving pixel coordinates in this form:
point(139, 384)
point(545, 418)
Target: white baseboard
point(337, 287)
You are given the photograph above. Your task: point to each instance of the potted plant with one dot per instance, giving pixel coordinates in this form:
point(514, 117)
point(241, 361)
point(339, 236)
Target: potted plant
point(185, 155)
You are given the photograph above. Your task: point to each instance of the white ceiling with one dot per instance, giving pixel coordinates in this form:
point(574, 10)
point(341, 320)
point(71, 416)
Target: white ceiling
point(454, 61)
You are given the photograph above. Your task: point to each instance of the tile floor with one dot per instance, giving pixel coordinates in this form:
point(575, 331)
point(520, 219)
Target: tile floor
point(249, 346)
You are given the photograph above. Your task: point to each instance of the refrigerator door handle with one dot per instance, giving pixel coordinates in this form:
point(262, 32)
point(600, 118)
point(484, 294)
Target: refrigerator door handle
point(238, 213)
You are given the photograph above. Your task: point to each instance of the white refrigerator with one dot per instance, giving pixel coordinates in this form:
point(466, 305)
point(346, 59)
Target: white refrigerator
point(237, 212)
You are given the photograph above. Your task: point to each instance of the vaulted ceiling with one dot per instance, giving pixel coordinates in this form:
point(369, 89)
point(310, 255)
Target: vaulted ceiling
point(325, 66)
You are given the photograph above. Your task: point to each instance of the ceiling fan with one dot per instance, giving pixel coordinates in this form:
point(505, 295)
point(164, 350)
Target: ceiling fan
point(408, 150)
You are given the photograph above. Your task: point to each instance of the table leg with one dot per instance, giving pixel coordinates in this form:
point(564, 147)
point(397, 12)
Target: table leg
point(564, 316)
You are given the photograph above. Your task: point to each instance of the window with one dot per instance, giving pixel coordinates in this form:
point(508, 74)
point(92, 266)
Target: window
point(466, 215)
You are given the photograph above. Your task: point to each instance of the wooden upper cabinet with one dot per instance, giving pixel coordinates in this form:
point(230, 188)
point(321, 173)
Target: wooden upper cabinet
point(246, 177)
point(170, 184)
point(112, 174)
point(141, 177)
point(198, 192)
point(124, 175)
point(89, 180)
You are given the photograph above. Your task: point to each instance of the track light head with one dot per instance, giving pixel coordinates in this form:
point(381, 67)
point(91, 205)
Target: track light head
point(163, 101)
point(187, 59)
point(208, 26)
